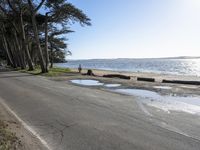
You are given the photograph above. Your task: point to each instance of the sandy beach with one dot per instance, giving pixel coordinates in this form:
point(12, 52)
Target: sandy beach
point(134, 75)
point(133, 83)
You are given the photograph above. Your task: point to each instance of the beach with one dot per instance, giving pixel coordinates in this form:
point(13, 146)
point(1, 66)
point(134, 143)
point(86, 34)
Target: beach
point(158, 76)
point(191, 89)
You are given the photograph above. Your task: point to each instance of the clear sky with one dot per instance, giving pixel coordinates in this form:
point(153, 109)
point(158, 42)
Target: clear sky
point(137, 29)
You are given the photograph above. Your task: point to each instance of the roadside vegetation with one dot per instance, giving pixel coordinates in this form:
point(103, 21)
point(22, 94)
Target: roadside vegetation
point(33, 32)
point(53, 72)
point(8, 140)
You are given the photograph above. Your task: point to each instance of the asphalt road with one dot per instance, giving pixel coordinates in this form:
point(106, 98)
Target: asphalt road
point(69, 117)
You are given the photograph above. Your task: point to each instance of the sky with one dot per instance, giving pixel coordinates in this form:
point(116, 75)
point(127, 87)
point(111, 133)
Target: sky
point(136, 29)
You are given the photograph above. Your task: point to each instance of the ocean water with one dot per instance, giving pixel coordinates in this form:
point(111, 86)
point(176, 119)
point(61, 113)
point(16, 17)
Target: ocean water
point(164, 66)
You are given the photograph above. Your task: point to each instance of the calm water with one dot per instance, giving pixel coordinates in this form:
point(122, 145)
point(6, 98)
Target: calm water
point(189, 104)
point(93, 83)
point(166, 66)
point(176, 103)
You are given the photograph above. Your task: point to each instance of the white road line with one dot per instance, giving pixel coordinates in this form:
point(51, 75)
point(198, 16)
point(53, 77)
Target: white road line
point(27, 127)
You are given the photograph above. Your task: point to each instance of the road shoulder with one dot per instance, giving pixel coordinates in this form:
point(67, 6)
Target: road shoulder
point(24, 140)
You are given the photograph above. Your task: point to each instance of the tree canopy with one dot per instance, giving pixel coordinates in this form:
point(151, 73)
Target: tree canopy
point(33, 32)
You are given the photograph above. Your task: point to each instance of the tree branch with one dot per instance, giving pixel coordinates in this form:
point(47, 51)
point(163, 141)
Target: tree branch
point(30, 5)
point(3, 10)
point(39, 6)
point(11, 6)
point(5, 13)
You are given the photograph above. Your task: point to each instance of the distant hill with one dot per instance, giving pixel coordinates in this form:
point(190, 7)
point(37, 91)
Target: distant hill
point(183, 57)
point(180, 57)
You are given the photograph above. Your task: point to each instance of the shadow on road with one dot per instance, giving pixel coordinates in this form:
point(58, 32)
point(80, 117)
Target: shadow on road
point(4, 73)
point(2, 69)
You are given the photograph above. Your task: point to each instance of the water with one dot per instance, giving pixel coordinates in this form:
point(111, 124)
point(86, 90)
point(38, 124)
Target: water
point(112, 85)
point(187, 104)
point(162, 87)
point(93, 83)
point(87, 82)
point(166, 66)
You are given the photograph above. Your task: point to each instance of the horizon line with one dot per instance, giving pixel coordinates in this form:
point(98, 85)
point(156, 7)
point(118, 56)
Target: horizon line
point(175, 57)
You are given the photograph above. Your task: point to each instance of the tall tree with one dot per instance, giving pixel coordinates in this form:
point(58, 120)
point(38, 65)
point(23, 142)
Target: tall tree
point(14, 11)
point(31, 28)
point(33, 11)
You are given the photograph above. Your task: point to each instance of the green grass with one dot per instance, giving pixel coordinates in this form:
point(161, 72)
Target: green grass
point(8, 140)
point(52, 71)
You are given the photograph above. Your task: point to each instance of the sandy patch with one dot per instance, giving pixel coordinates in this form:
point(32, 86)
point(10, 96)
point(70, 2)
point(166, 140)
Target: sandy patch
point(27, 141)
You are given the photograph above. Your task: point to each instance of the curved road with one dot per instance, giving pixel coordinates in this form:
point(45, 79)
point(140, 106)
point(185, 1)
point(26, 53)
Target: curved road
point(69, 117)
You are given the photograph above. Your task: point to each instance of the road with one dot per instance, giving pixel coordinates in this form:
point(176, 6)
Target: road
point(70, 117)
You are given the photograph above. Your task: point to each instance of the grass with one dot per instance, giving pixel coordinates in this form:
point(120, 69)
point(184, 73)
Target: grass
point(8, 140)
point(52, 71)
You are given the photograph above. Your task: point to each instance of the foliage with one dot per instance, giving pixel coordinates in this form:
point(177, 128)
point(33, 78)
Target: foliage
point(33, 32)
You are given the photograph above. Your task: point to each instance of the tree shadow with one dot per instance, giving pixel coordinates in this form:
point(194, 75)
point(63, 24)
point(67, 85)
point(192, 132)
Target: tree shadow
point(4, 73)
point(5, 70)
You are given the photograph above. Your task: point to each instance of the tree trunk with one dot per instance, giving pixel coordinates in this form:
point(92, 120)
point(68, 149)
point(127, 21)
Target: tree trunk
point(19, 64)
point(41, 58)
point(46, 42)
point(13, 52)
point(5, 44)
point(36, 36)
point(19, 50)
point(30, 63)
point(51, 57)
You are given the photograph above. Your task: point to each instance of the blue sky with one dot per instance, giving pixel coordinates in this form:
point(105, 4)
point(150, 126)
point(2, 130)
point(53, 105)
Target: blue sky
point(137, 29)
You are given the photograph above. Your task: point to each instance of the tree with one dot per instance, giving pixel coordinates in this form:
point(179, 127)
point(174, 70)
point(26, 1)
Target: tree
point(31, 29)
point(14, 10)
point(58, 50)
point(33, 11)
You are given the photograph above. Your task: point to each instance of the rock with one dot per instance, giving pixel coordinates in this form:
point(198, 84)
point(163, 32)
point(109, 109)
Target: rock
point(90, 73)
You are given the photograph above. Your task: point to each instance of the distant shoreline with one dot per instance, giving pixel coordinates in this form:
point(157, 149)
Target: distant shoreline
point(179, 57)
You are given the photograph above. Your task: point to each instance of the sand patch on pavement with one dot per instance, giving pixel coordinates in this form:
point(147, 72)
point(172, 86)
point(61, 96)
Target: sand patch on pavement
point(15, 132)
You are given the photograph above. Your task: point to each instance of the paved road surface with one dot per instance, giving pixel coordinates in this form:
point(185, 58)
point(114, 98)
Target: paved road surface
point(69, 117)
